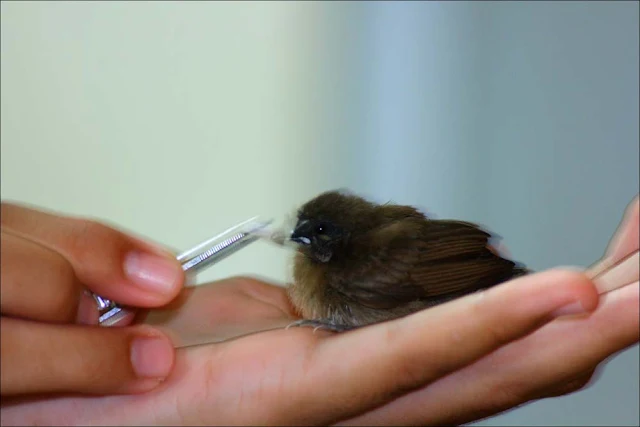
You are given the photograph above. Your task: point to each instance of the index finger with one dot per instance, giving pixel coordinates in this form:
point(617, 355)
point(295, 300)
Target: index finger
point(109, 262)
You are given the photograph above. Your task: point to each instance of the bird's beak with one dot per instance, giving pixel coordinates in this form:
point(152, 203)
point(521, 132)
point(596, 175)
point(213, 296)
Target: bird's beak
point(302, 232)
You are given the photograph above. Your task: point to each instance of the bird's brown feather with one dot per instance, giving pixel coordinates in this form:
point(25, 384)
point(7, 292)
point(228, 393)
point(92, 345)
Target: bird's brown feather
point(402, 262)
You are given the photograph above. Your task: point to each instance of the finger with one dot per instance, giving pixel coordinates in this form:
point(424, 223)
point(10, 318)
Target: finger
point(627, 236)
point(400, 355)
point(557, 358)
point(109, 262)
point(619, 275)
point(565, 386)
point(51, 358)
point(221, 310)
point(451, 337)
point(37, 282)
point(624, 241)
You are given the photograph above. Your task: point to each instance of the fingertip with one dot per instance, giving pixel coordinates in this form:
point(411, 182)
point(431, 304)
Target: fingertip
point(152, 356)
point(562, 290)
point(625, 238)
point(154, 248)
point(583, 291)
point(160, 276)
point(144, 386)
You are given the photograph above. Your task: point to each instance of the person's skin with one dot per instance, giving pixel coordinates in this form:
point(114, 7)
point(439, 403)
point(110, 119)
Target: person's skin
point(455, 363)
point(46, 262)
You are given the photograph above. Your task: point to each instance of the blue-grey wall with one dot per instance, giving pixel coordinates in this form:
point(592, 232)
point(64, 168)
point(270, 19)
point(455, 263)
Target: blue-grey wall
point(522, 116)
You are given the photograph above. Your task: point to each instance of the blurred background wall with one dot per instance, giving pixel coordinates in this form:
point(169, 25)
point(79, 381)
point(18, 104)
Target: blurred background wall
point(175, 120)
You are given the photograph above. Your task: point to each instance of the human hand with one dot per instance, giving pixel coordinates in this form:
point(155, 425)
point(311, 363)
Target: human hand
point(50, 341)
point(297, 376)
point(557, 359)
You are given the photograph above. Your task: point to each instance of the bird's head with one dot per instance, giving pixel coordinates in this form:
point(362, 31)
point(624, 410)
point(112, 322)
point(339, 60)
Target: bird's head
point(326, 224)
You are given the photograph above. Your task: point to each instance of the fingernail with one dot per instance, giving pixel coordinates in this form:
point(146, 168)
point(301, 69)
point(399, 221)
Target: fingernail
point(570, 309)
point(152, 272)
point(151, 357)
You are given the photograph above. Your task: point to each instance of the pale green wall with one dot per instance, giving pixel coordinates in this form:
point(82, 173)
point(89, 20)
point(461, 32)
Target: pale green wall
point(172, 120)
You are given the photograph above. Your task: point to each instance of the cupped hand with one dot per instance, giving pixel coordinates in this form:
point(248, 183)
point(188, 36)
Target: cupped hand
point(557, 359)
point(50, 341)
point(454, 363)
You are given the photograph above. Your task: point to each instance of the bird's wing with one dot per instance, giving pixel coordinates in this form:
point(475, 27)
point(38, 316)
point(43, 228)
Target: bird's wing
point(427, 260)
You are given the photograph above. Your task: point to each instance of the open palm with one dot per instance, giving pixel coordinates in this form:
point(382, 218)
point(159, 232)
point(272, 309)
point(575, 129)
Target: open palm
point(464, 360)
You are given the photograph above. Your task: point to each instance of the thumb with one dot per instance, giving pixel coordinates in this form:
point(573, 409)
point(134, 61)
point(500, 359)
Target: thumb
point(53, 358)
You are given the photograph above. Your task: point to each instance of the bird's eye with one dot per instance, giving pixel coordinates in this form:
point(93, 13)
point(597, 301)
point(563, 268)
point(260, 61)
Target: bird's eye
point(320, 229)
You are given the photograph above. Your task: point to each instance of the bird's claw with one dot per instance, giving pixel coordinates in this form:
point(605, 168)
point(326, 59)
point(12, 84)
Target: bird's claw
point(319, 324)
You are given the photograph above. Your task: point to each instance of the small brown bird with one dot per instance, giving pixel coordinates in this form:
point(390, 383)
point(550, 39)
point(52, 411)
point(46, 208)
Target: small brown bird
point(359, 263)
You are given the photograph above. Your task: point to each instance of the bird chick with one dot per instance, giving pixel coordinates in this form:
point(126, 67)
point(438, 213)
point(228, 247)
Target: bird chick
point(359, 263)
